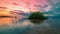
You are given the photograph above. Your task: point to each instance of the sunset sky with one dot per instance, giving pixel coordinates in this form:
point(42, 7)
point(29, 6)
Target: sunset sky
point(24, 5)
point(29, 5)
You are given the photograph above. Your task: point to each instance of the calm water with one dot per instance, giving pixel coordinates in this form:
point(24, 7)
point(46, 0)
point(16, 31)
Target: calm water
point(25, 26)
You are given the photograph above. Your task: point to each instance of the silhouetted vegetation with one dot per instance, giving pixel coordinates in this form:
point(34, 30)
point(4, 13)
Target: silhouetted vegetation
point(36, 15)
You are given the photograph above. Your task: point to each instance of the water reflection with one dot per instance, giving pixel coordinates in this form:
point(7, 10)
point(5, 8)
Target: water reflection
point(7, 21)
point(25, 26)
point(36, 21)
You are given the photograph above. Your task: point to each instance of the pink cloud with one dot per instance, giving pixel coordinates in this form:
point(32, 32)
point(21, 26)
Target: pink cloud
point(25, 4)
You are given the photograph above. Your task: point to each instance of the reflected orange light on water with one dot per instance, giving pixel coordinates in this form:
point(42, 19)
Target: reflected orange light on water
point(7, 21)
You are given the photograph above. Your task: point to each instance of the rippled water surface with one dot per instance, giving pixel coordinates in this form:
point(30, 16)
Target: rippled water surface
point(25, 26)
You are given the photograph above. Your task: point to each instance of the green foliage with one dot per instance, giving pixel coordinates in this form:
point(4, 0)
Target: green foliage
point(36, 15)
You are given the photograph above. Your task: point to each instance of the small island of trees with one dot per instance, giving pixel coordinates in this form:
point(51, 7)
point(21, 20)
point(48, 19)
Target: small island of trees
point(37, 15)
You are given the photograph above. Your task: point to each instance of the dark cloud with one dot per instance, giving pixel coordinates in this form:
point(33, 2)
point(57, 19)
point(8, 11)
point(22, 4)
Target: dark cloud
point(3, 8)
point(15, 4)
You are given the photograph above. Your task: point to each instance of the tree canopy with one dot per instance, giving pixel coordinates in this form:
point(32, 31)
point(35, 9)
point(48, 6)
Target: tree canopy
point(36, 15)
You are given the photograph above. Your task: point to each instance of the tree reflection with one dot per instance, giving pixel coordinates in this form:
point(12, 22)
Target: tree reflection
point(36, 21)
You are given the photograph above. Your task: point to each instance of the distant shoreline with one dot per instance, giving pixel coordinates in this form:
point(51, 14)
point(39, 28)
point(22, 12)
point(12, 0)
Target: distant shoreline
point(6, 16)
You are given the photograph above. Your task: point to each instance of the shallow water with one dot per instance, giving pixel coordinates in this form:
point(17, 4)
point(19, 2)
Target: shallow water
point(25, 26)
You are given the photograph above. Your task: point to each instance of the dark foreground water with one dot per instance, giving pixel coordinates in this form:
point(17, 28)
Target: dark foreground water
point(25, 26)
